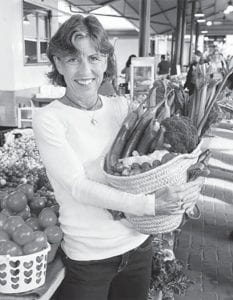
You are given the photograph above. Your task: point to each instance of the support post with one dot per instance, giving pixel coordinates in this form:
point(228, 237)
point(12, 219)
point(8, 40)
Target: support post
point(144, 33)
point(197, 32)
point(183, 26)
point(192, 30)
point(176, 59)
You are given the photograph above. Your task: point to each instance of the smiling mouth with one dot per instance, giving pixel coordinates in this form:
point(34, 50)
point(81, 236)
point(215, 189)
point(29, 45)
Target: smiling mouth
point(84, 82)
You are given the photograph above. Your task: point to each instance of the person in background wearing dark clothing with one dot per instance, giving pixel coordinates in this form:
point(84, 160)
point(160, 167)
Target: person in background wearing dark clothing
point(197, 58)
point(126, 71)
point(163, 66)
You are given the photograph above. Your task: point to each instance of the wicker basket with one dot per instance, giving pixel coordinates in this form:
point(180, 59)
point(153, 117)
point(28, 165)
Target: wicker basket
point(171, 173)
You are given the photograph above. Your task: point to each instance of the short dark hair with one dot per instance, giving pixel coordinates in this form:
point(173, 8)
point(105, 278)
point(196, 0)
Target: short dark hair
point(198, 53)
point(128, 63)
point(162, 56)
point(61, 44)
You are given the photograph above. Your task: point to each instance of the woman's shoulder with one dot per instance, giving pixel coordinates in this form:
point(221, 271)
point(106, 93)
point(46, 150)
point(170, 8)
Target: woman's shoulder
point(51, 111)
point(118, 104)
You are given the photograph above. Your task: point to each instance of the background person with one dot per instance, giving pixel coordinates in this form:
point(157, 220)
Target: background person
point(163, 66)
point(104, 258)
point(126, 71)
point(196, 58)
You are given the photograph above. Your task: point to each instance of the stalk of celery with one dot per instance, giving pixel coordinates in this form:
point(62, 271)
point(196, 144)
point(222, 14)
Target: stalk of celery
point(211, 104)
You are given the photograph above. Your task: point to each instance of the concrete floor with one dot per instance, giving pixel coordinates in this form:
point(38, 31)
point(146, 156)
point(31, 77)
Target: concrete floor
point(204, 245)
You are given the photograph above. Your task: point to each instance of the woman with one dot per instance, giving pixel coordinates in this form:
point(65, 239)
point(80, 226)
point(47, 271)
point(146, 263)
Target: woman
point(189, 83)
point(104, 258)
point(126, 71)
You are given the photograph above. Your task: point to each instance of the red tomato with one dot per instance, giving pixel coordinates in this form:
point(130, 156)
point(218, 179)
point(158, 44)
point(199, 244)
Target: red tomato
point(23, 235)
point(7, 212)
point(16, 201)
point(4, 236)
point(54, 234)
point(3, 200)
point(47, 217)
point(33, 222)
point(37, 203)
point(11, 248)
point(41, 238)
point(3, 218)
point(32, 247)
point(26, 213)
point(27, 189)
point(12, 223)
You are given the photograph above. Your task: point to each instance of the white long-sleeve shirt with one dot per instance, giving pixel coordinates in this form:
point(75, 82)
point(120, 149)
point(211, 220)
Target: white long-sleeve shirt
point(72, 149)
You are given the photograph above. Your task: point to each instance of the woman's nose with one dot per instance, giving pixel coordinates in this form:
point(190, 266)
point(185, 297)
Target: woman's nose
point(85, 66)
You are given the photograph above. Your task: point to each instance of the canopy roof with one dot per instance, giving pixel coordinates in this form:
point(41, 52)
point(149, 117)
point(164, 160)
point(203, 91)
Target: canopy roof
point(164, 12)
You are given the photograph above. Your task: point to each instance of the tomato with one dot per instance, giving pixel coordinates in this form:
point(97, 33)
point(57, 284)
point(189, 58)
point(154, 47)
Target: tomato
point(3, 197)
point(32, 247)
point(23, 235)
point(7, 212)
point(16, 201)
point(41, 237)
point(4, 236)
point(3, 218)
point(27, 189)
point(47, 217)
point(37, 203)
point(12, 223)
point(55, 208)
point(11, 248)
point(54, 234)
point(33, 222)
point(26, 213)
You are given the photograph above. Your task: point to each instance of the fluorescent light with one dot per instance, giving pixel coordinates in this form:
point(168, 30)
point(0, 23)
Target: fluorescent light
point(201, 20)
point(209, 23)
point(204, 31)
point(199, 15)
point(229, 8)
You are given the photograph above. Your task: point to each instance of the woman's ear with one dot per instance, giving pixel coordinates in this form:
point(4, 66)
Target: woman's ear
point(58, 64)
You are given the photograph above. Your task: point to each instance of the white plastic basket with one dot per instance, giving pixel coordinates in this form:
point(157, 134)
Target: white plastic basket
point(23, 273)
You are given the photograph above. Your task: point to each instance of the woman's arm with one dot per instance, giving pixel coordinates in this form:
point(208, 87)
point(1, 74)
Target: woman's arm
point(63, 165)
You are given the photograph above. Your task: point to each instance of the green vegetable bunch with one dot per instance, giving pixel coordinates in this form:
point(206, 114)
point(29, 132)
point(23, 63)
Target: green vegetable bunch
point(180, 134)
point(168, 273)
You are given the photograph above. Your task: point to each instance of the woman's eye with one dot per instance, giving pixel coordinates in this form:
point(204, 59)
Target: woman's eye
point(72, 60)
point(94, 59)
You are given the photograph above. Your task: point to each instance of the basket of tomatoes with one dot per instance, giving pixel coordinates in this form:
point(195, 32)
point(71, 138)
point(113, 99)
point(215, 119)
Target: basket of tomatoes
point(29, 230)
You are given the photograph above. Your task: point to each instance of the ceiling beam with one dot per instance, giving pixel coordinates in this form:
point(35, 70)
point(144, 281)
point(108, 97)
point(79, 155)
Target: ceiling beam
point(164, 13)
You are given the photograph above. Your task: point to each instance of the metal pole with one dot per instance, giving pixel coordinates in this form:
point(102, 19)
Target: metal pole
point(176, 59)
point(191, 30)
point(183, 25)
point(144, 33)
point(197, 35)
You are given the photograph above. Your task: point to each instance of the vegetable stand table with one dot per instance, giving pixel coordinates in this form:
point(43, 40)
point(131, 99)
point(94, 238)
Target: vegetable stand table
point(54, 277)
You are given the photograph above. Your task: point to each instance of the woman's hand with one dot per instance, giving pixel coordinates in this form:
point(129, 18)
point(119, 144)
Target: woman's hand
point(176, 199)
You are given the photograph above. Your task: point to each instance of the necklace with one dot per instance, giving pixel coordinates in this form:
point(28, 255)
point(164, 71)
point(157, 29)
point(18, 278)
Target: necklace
point(92, 118)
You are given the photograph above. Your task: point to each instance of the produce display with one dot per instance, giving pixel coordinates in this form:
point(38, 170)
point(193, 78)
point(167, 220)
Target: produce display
point(29, 211)
point(27, 224)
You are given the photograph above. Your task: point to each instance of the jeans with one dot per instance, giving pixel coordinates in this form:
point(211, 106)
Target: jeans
point(122, 277)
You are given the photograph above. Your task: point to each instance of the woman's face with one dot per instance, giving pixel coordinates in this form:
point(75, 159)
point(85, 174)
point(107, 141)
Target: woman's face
point(83, 72)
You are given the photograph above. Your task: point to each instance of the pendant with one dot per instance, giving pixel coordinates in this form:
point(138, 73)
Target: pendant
point(93, 121)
